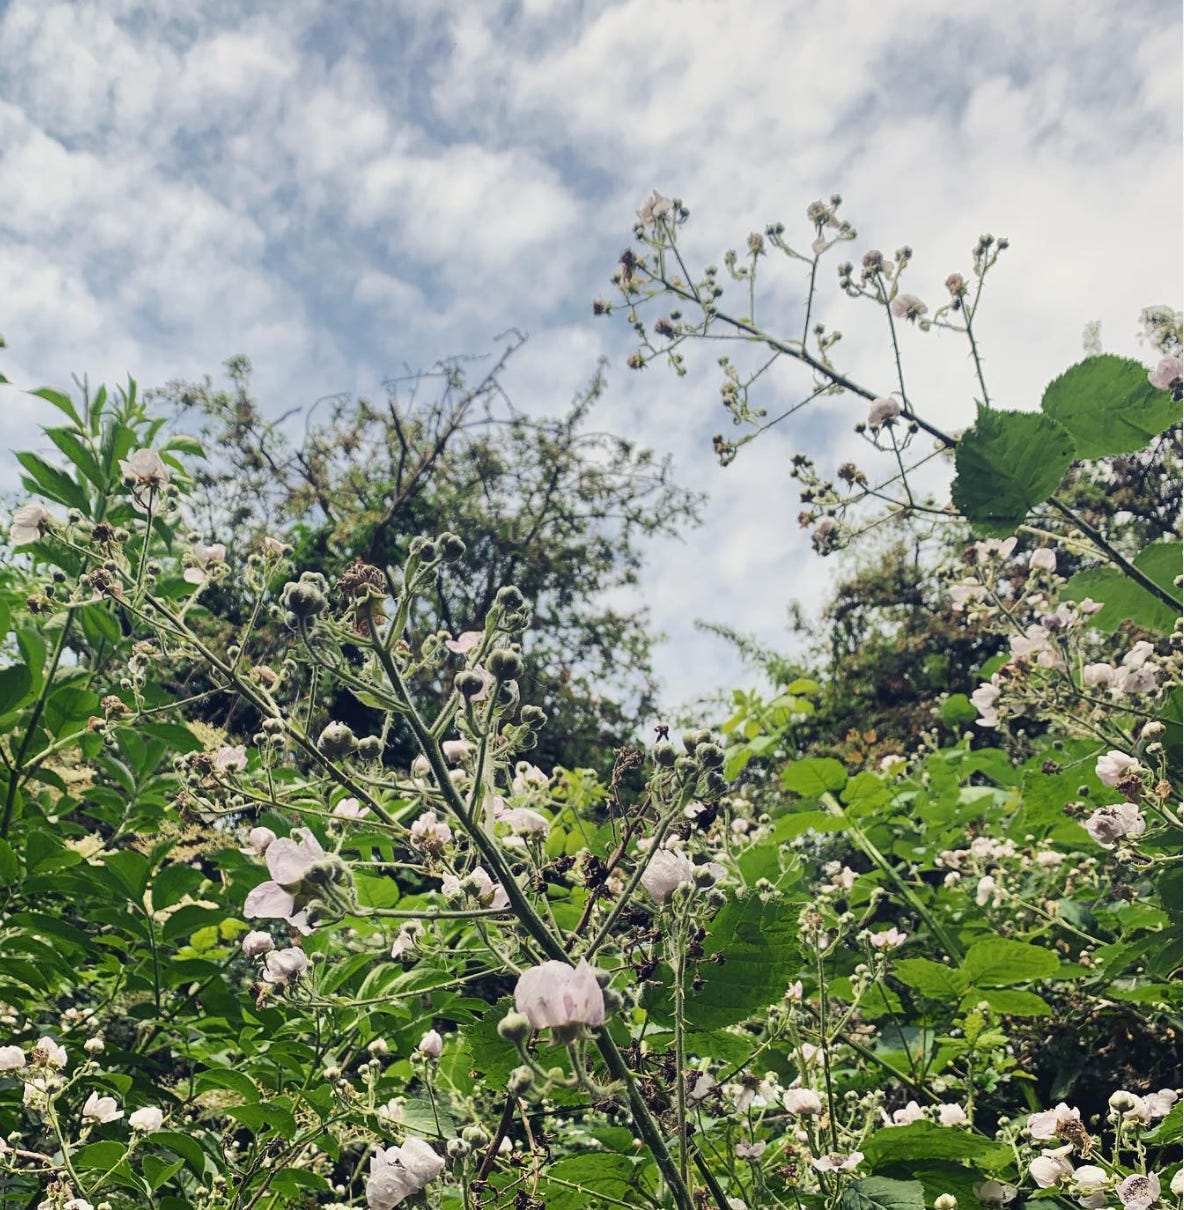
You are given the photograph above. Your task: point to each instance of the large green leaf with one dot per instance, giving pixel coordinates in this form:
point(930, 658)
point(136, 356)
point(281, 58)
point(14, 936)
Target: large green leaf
point(51, 482)
point(880, 1193)
point(927, 1141)
point(16, 684)
point(575, 1182)
point(931, 979)
point(1007, 464)
point(1123, 599)
point(814, 776)
point(998, 962)
point(1109, 406)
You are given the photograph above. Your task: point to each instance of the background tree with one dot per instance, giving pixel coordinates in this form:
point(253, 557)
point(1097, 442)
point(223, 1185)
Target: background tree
point(552, 505)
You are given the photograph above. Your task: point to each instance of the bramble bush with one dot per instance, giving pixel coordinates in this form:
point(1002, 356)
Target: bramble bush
point(262, 952)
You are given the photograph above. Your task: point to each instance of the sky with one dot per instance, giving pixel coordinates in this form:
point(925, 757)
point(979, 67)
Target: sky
point(342, 188)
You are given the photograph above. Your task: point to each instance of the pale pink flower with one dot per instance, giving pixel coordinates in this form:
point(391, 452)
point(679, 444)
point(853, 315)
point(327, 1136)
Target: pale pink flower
point(751, 1151)
point(912, 1112)
point(256, 943)
point(145, 468)
point(1096, 676)
point(882, 411)
point(1043, 558)
point(456, 750)
point(101, 1109)
point(837, 1162)
point(667, 870)
point(994, 548)
point(522, 821)
point(802, 1101)
point(431, 1044)
point(203, 557)
point(1107, 825)
point(890, 940)
point(465, 642)
point(429, 834)
point(272, 547)
point(1112, 767)
point(1050, 1123)
point(951, 1115)
point(995, 1193)
point(289, 861)
point(147, 1119)
point(1169, 371)
point(653, 208)
point(966, 591)
point(1138, 655)
point(407, 939)
point(986, 890)
point(350, 808)
point(528, 777)
point(818, 247)
point(260, 838)
point(1050, 1168)
point(231, 760)
point(488, 893)
point(29, 523)
point(397, 1173)
point(908, 306)
point(1138, 1192)
point(983, 699)
point(12, 1058)
point(47, 1051)
point(285, 966)
point(557, 996)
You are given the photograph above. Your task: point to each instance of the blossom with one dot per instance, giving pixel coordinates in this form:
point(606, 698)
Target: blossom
point(653, 208)
point(350, 808)
point(407, 939)
point(101, 1109)
point(984, 699)
point(285, 966)
point(431, 1044)
point(272, 547)
point(952, 1115)
point(144, 468)
point(400, 1172)
point(47, 1051)
point(488, 893)
point(203, 556)
point(1138, 1192)
point(1043, 558)
point(912, 1112)
point(994, 548)
point(259, 839)
point(256, 943)
point(837, 1162)
point(455, 750)
point(557, 996)
point(667, 870)
point(986, 890)
point(78, 1203)
point(1107, 825)
point(465, 641)
point(527, 777)
point(1094, 676)
point(29, 523)
point(522, 821)
point(1052, 1123)
point(751, 1151)
point(1138, 654)
point(288, 861)
point(429, 833)
point(802, 1101)
point(1050, 1168)
point(12, 1058)
point(1169, 371)
point(148, 1118)
point(995, 1193)
point(908, 306)
point(1112, 767)
point(882, 411)
point(231, 760)
point(890, 940)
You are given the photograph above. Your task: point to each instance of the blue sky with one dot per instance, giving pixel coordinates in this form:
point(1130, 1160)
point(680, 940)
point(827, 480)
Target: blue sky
point(341, 189)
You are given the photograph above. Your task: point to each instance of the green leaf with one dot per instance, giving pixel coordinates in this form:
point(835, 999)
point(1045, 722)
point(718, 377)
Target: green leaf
point(68, 441)
point(815, 776)
point(880, 1193)
point(1010, 1000)
point(926, 1141)
point(998, 962)
point(99, 1156)
point(1007, 464)
point(957, 712)
point(569, 1182)
point(51, 482)
point(16, 685)
point(1123, 599)
point(60, 400)
point(1109, 406)
point(931, 979)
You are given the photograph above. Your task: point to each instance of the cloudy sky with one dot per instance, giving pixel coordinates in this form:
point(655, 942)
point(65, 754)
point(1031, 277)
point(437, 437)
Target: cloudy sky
point(340, 189)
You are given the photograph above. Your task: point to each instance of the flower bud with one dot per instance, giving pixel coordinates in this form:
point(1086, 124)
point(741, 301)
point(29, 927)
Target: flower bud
point(521, 1078)
point(370, 748)
point(504, 664)
point(475, 1136)
point(307, 597)
point(692, 739)
point(514, 1027)
point(336, 741)
point(509, 598)
point(710, 755)
point(451, 547)
point(457, 1149)
point(687, 768)
point(665, 754)
point(533, 716)
point(945, 1201)
point(468, 684)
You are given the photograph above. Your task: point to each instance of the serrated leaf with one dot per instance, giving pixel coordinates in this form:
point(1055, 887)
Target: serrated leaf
point(1010, 1000)
point(997, 962)
point(16, 685)
point(926, 1140)
point(1007, 464)
point(1109, 406)
point(931, 979)
point(1123, 599)
point(880, 1193)
point(818, 775)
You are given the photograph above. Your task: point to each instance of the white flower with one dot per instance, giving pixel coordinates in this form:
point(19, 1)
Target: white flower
point(985, 892)
point(522, 821)
point(145, 468)
point(1112, 767)
point(802, 1101)
point(653, 208)
point(260, 838)
point(908, 306)
point(29, 523)
point(1043, 558)
point(995, 1193)
point(488, 893)
point(12, 1058)
point(837, 1162)
point(203, 556)
point(1169, 371)
point(666, 871)
point(288, 860)
point(1177, 1185)
point(702, 1087)
point(965, 591)
point(431, 1044)
point(951, 1115)
point(78, 1203)
point(407, 939)
point(983, 699)
point(528, 777)
point(890, 940)
point(1049, 1124)
point(1050, 1167)
point(1109, 824)
point(882, 411)
point(1138, 1192)
point(912, 1112)
point(1094, 676)
point(256, 943)
point(147, 1119)
point(101, 1109)
point(1138, 655)
point(751, 1151)
point(284, 966)
point(430, 834)
point(231, 760)
point(272, 547)
point(456, 750)
point(557, 996)
point(400, 1172)
point(350, 808)
point(47, 1051)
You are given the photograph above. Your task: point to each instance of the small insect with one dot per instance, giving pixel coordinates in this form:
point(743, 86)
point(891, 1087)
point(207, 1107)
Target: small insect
point(662, 731)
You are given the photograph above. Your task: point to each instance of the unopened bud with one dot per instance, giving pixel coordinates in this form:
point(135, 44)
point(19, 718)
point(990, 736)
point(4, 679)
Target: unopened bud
point(337, 740)
point(514, 1027)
